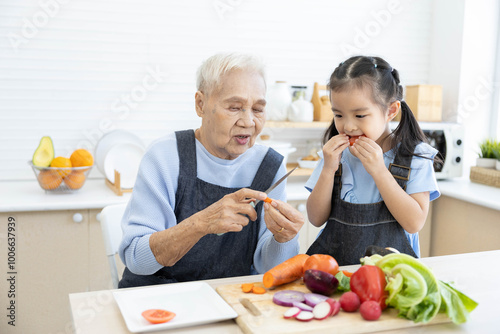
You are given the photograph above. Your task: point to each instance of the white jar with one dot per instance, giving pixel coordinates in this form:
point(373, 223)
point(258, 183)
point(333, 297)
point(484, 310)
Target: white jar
point(278, 102)
point(301, 111)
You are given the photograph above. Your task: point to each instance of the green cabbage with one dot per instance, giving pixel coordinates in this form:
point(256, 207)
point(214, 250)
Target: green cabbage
point(418, 295)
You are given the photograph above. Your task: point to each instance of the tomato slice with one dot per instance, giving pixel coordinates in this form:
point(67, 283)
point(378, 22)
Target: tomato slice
point(352, 139)
point(158, 316)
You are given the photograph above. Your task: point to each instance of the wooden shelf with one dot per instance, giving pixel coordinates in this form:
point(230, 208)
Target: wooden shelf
point(299, 171)
point(318, 125)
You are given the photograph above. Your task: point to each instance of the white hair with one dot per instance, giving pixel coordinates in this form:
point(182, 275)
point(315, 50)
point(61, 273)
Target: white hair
point(211, 70)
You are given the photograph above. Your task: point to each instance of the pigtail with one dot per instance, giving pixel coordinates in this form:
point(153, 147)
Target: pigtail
point(408, 131)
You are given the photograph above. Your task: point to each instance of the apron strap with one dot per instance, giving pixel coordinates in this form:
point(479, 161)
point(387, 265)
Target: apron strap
point(267, 170)
point(400, 168)
point(187, 157)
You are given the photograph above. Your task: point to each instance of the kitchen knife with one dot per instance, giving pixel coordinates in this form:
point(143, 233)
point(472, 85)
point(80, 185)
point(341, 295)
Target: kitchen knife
point(277, 183)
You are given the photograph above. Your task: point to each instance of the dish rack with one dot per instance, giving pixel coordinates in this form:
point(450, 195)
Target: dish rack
point(59, 179)
point(116, 187)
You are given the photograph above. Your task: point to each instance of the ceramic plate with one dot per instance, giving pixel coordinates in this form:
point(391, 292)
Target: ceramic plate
point(194, 303)
point(111, 139)
point(125, 158)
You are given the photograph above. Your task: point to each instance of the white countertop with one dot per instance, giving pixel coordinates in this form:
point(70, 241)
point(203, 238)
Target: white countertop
point(18, 196)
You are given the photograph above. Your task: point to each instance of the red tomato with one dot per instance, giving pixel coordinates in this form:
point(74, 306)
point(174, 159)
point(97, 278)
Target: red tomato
point(322, 262)
point(352, 139)
point(157, 316)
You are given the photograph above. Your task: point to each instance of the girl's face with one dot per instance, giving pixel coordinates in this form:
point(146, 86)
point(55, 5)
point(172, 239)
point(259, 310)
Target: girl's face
point(356, 114)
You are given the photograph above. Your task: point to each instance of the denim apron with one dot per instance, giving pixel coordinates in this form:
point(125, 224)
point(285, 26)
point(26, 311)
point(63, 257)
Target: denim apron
point(213, 256)
point(353, 227)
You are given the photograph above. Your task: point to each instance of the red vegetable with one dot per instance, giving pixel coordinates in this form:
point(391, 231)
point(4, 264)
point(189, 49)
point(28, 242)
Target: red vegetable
point(349, 301)
point(305, 316)
point(320, 282)
point(322, 262)
point(285, 272)
point(370, 310)
point(302, 306)
point(292, 312)
point(322, 310)
point(335, 305)
point(288, 297)
point(368, 282)
point(157, 316)
point(352, 139)
point(313, 298)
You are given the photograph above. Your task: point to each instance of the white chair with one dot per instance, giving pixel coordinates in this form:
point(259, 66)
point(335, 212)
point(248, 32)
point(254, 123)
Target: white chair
point(111, 217)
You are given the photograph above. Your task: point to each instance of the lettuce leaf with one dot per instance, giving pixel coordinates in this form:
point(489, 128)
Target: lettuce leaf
point(406, 297)
point(344, 282)
point(456, 304)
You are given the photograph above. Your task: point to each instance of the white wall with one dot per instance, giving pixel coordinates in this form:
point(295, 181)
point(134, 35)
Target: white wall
point(77, 69)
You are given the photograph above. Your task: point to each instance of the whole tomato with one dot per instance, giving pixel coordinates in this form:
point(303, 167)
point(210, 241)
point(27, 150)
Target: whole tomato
point(322, 262)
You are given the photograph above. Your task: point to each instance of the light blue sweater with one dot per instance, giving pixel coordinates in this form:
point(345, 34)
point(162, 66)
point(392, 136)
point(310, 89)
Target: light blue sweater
point(151, 207)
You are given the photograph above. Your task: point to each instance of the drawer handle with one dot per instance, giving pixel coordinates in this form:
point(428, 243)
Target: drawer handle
point(77, 218)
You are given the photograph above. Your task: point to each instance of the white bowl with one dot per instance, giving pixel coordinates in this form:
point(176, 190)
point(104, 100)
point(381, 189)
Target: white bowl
point(111, 139)
point(124, 158)
point(308, 163)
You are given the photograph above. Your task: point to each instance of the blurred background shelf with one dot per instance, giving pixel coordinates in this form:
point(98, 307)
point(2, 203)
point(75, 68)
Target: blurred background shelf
point(274, 124)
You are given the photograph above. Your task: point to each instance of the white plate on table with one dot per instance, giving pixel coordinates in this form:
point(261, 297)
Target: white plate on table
point(194, 303)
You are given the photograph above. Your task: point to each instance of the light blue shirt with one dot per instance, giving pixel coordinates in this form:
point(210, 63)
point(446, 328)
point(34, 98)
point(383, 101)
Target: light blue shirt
point(151, 207)
point(359, 187)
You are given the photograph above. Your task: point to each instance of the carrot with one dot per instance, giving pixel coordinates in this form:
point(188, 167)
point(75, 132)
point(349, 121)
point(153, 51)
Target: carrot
point(285, 272)
point(247, 287)
point(268, 200)
point(347, 273)
point(258, 290)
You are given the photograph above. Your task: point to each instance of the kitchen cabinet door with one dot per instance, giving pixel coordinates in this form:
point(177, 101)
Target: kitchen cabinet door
point(51, 261)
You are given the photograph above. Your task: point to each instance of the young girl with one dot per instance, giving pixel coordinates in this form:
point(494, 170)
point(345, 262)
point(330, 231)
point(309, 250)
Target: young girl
point(377, 191)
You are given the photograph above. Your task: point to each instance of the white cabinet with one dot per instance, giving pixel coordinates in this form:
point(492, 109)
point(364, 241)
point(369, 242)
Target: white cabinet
point(56, 253)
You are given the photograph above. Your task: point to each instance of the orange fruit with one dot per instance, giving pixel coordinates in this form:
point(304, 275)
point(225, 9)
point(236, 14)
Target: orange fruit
point(81, 158)
point(49, 179)
point(62, 162)
point(75, 180)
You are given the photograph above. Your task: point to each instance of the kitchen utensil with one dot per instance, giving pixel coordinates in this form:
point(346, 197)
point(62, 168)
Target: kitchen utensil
point(271, 320)
point(124, 158)
point(194, 303)
point(277, 183)
point(111, 139)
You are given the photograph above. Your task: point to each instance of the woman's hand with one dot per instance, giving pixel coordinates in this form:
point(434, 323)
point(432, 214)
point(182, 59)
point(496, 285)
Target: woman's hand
point(370, 153)
point(231, 213)
point(332, 151)
point(282, 220)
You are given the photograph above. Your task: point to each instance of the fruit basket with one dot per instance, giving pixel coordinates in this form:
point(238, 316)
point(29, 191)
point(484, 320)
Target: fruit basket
point(61, 179)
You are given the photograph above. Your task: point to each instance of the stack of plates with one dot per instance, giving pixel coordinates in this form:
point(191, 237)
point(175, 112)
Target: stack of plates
point(122, 151)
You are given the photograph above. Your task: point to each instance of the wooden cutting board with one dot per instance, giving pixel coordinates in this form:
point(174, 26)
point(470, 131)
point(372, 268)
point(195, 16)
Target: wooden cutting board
point(271, 319)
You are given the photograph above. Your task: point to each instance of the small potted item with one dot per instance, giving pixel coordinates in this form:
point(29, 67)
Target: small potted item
point(486, 158)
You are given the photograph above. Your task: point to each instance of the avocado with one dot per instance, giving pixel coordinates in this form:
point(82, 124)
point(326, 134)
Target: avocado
point(44, 153)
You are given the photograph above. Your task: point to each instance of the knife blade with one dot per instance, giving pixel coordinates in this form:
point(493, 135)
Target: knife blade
point(277, 183)
point(268, 190)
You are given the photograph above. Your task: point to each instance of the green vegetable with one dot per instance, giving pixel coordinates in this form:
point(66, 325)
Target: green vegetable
point(418, 295)
point(404, 289)
point(344, 282)
point(456, 305)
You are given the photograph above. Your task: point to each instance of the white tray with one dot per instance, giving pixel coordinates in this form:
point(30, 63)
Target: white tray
point(194, 303)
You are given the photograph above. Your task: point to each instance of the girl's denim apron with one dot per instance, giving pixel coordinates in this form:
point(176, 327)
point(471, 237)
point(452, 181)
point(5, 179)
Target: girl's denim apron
point(353, 227)
point(213, 256)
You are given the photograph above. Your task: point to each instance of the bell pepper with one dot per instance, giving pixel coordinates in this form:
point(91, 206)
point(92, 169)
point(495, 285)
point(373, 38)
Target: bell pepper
point(369, 282)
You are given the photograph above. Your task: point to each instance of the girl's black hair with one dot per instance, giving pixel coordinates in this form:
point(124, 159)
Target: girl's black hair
point(376, 73)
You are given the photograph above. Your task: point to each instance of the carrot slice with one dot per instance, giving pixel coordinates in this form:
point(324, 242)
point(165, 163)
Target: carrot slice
point(247, 287)
point(258, 290)
point(268, 200)
point(347, 273)
point(286, 272)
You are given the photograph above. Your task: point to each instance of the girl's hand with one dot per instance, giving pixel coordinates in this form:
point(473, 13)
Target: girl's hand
point(370, 154)
point(332, 151)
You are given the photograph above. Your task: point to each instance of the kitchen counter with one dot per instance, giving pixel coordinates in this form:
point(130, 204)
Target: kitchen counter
point(28, 196)
point(97, 312)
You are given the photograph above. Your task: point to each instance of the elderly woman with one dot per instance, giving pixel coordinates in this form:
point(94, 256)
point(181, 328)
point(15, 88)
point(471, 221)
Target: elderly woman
point(190, 216)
